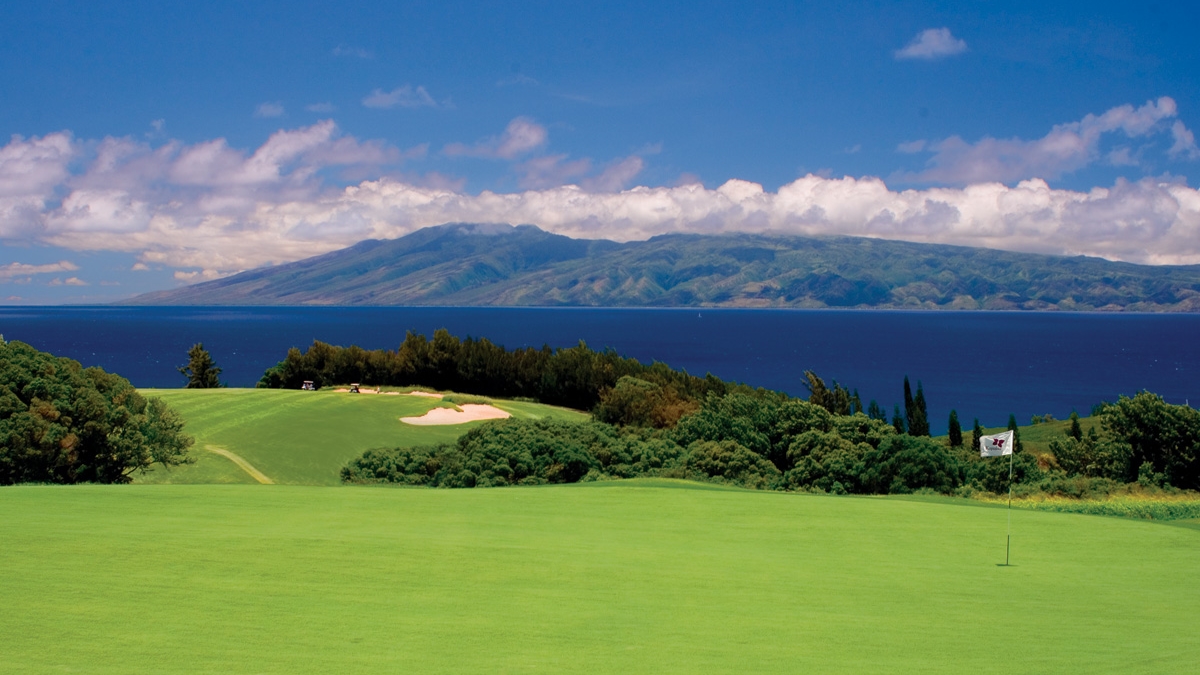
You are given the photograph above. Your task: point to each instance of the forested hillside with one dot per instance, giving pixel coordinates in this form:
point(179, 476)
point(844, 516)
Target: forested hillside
point(499, 265)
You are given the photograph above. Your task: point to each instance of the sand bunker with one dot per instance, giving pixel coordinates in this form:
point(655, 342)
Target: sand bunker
point(364, 390)
point(470, 412)
point(430, 394)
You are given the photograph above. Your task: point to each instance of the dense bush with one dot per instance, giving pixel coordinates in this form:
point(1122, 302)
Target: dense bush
point(62, 423)
point(519, 452)
point(1143, 440)
point(726, 461)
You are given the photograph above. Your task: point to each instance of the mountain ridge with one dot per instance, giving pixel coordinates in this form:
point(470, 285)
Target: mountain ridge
point(469, 264)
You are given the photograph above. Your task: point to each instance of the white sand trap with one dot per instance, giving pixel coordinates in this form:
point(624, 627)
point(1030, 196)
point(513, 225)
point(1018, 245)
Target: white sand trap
point(470, 412)
point(430, 394)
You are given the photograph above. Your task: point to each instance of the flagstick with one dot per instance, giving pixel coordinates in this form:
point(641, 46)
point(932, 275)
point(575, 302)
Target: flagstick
point(1008, 543)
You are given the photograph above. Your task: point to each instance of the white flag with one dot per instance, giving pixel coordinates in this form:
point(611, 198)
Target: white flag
point(996, 445)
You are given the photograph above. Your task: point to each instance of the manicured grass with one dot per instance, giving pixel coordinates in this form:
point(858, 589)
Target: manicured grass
point(623, 577)
point(1035, 438)
point(303, 437)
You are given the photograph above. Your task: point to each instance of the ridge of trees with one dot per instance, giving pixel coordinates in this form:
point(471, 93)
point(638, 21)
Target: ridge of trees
point(575, 377)
point(63, 423)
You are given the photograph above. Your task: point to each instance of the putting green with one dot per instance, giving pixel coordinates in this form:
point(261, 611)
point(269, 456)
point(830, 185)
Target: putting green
point(302, 437)
point(630, 577)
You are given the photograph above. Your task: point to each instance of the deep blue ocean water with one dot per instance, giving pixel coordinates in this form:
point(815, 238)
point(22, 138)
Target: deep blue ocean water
point(984, 364)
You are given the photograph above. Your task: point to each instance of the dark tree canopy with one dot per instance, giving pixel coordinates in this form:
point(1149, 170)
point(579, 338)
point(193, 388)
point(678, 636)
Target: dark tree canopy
point(919, 420)
point(898, 422)
point(910, 406)
point(1142, 439)
point(201, 372)
point(1012, 426)
point(955, 434)
point(63, 423)
point(576, 377)
point(837, 400)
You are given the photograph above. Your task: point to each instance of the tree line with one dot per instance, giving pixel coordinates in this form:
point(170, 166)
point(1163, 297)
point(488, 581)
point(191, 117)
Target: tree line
point(574, 377)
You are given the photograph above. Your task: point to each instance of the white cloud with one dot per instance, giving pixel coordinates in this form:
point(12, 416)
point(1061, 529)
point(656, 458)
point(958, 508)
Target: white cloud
point(356, 52)
point(208, 209)
point(1067, 148)
point(402, 97)
point(550, 171)
point(267, 110)
point(615, 176)
point(932, 43)
point(520, 136)
point(323, 107)
point(911, 147)
point(1185, 142)
point(198, 275)
point(69, 281)
point(17, 269)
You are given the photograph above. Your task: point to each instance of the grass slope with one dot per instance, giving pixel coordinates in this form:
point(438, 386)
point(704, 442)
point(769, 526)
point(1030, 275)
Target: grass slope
point(303, 437)
point(632, 577)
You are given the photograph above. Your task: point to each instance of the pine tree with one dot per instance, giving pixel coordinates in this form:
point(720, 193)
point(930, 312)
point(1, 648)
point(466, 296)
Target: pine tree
point(875, 412)
point(855, 403)
point(955, 430)
point(976, 435)
point(1012, 426)
point(898, 421)
point(909, 405)
point(200, 371)
point(918, 424)
point(1076, 431)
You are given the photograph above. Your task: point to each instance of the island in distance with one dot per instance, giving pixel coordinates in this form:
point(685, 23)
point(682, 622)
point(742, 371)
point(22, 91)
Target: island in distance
point(501, 265)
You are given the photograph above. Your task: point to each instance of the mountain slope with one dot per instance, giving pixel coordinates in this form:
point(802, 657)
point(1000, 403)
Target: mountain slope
point(494, 265)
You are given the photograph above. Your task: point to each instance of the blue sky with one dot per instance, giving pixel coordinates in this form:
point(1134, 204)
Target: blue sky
point(155, 144)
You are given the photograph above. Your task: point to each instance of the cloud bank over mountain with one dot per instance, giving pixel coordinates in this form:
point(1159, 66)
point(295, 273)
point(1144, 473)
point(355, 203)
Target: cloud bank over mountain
point(207, 209)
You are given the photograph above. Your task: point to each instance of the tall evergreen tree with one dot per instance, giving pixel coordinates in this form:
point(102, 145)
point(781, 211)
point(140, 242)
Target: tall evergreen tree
point(1076, 431)
point(1012, 426)
point(976, 435)
point(201, 372)
point(898, 421)
point(909, 405)
point(875, 411)
point(855, 403)
point(918, 424)
point(955, 430)
point(818, 393)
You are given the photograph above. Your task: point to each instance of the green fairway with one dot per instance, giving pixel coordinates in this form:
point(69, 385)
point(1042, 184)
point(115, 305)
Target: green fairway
point(302, 437)
point(632, 577)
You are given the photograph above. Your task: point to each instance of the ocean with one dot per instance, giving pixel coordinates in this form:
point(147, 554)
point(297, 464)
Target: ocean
point(985, 365)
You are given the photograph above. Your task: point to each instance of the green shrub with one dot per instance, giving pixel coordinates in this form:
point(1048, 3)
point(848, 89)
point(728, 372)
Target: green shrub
point(732, 463)
point(62, 423)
